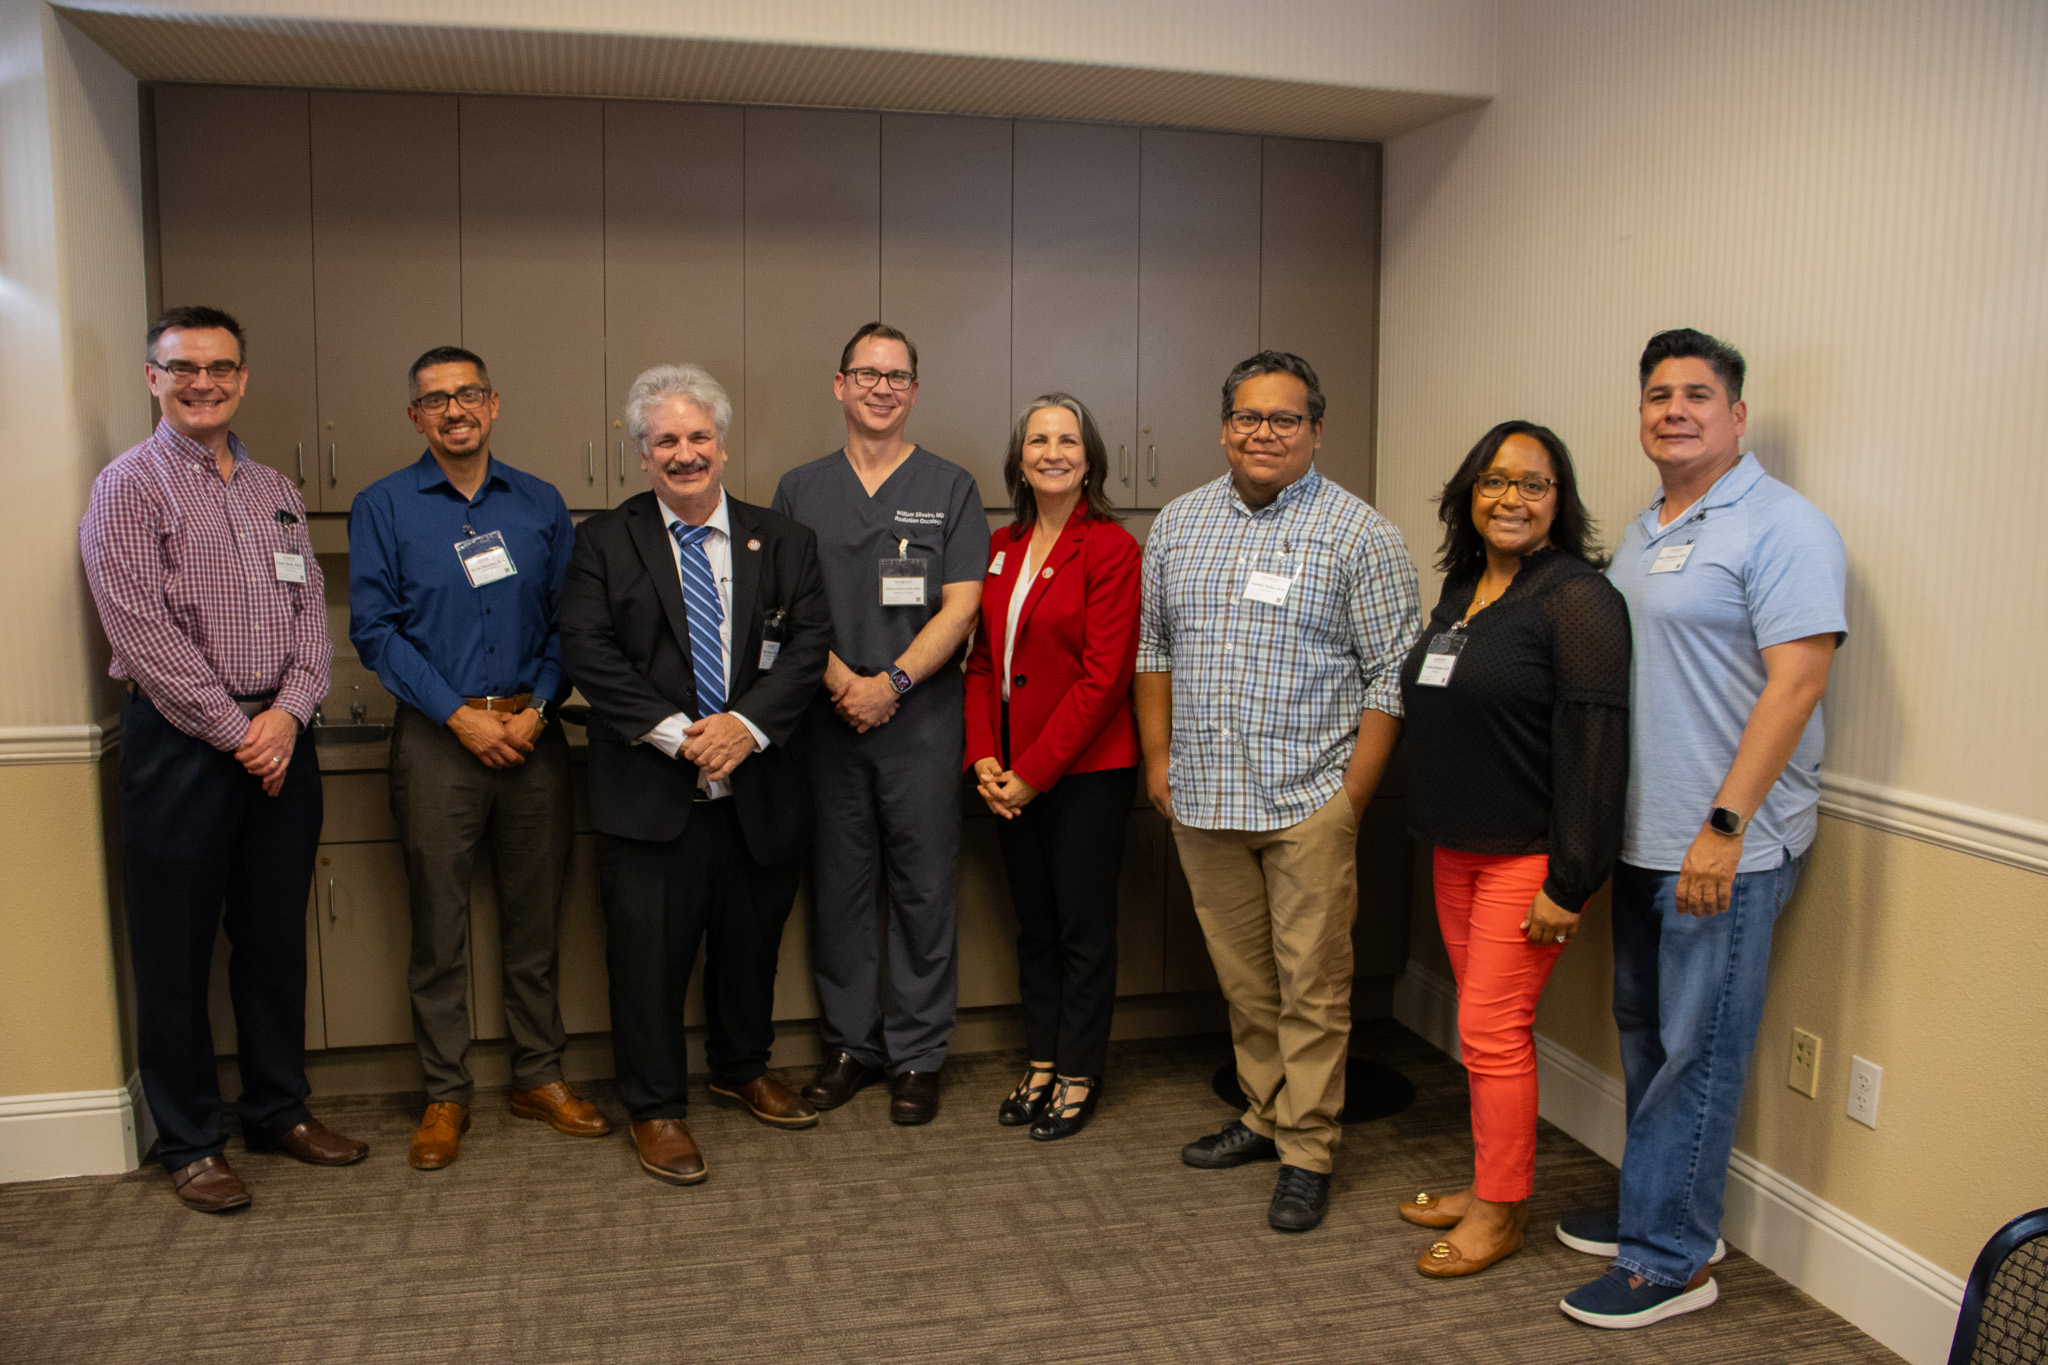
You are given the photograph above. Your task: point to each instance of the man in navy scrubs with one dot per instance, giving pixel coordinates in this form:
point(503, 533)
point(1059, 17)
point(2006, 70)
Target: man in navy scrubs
point(903, 543)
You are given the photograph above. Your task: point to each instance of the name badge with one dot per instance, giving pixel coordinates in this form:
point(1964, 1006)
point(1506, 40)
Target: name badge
point(1270, 588)
point(485, 559)
point(290, 568)
point(903, 578)
point(995, 566)
point(1672, 558)
point(1441, 659)
point(771, 638)
point(771, 650)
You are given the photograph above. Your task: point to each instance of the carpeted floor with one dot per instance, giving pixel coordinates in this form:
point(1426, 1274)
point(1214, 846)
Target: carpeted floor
point(854, 1241)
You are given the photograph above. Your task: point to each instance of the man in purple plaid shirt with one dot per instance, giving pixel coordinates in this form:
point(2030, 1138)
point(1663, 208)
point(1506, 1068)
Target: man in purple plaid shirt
point(210, 596)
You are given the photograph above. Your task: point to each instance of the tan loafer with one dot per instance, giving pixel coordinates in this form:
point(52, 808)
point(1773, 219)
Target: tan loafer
point(770, 1101)
point(1445, 1262)
point(1426, 1210)
point(561, 1108)
point(668, 1152)
point(438, 1139)
point(210, 1185)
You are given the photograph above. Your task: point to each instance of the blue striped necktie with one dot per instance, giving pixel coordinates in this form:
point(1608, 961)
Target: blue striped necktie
point(700, 596)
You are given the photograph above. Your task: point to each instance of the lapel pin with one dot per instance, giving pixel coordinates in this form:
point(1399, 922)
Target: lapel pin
point(753, 545)
point(1046, 574)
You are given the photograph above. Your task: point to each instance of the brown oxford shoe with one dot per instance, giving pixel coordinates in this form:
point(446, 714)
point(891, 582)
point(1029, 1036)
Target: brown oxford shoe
point(210, 1185)
point(770, 1101)
point(839, 1080)
point(314, 1143)
point(914, 1097)
point(438, 1139)
point(668, 1152)
point(556, 1105)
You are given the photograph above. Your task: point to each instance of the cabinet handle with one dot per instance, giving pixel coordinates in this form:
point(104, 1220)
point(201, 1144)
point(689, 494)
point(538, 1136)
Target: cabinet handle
point(301, 458)
point(1152, 464)
point(622, 462)
point(331, 920)
point(589, 462)
point(1123, 464)
point(333, 463)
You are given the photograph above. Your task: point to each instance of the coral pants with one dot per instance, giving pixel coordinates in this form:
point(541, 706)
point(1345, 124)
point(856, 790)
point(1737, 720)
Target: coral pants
point(1480, 904)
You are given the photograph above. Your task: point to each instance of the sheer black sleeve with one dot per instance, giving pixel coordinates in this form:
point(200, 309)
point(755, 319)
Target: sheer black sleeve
point(1588, 735)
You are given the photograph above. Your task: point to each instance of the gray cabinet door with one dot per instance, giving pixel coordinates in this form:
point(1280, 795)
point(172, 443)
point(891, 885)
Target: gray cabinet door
point(674, 263)
point(1075, 283)
point(1319, 286)
point(365, 932)
point(235, 231)
point(1198, 302)
point(387, 273)
point(946, 282)
point(813, 277)
point(533, 282)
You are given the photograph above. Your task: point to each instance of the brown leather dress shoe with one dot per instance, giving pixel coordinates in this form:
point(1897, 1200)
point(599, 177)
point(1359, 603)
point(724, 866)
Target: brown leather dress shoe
point(770, 1101)
point(914, 1097)
point(438, 1139)
point(314, 1143)
point(668, 1152)
point(839, 1080)
point(210, 1185)
point(562, 1109)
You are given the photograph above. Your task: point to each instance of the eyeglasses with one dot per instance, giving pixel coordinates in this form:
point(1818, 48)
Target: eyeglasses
point(1245, 422)
point(470, 396)
point(184, 371)
point(866, 378)
point(1533, 487)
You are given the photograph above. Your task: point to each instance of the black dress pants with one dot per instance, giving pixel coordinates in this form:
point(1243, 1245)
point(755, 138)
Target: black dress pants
point(1063, 853)
point(197, 833)
point(661, 901)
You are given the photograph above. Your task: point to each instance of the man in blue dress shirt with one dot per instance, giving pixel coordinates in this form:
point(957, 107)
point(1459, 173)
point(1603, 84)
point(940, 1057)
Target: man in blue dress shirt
point(455, 572)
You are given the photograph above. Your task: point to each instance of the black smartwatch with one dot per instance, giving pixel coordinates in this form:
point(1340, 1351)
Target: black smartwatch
point(1726, 821)
point(899, 680)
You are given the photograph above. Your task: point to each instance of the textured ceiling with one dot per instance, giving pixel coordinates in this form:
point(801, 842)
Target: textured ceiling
point(337, 55)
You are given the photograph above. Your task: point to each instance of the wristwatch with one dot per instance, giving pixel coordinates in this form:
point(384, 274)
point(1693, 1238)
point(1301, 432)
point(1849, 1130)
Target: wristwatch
point(546, 709)
point(1726, 821)
point(899, 680)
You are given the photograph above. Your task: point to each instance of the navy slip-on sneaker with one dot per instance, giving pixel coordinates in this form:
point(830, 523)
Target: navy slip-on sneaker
point(1620, 1299)
point(1599, 1234)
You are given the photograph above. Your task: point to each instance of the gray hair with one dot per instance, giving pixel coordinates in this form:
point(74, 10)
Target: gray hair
point(693, 384)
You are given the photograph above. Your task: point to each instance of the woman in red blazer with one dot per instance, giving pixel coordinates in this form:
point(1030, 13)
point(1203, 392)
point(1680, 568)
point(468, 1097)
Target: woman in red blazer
point(1054, 749)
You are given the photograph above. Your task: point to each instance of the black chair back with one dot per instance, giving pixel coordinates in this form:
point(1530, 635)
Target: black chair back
point(2005, 1304)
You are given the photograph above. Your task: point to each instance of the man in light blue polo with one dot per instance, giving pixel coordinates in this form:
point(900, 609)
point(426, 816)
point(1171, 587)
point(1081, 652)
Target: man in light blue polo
point(1734, 590)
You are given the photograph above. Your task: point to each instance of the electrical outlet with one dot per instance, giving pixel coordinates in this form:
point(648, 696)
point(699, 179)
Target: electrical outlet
point(1805, 1074)
point(1865, 1078)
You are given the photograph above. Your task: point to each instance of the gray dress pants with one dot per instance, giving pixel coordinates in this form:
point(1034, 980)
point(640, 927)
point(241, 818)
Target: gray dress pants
point(447, 804)
point(888, 806)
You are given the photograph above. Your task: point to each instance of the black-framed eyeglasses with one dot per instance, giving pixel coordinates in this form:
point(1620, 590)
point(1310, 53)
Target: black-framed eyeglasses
point(1532, 487)
point(1245, 422)
point(866, 377)
point(470, 396)
point(184, 371)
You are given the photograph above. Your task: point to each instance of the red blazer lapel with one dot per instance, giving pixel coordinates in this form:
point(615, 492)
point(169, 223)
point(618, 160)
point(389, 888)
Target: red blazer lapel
point(1072, 535)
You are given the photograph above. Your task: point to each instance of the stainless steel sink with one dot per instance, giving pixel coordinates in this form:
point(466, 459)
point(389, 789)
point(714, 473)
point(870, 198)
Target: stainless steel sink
point(350, 734)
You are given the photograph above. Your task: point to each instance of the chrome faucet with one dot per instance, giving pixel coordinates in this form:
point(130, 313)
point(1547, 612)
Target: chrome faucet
point(356, 709)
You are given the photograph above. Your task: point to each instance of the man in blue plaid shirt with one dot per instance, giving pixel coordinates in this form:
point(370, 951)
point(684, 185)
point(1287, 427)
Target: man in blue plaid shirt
point(1277, 610)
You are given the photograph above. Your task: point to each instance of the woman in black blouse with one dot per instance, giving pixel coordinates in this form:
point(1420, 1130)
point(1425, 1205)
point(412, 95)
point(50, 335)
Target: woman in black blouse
point(1517, 728)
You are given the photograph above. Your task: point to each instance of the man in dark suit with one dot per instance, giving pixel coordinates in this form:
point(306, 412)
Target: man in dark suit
point(697, 627)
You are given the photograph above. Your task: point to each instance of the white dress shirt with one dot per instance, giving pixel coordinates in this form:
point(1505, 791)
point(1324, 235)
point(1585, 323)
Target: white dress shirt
point(717, 547)
point(1017, 596)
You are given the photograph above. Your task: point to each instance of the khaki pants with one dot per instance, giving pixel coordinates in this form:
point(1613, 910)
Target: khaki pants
point(1276, 907)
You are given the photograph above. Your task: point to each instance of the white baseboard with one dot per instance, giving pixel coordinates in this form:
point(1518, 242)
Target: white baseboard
point(1893, 1293)
point(78, 1132)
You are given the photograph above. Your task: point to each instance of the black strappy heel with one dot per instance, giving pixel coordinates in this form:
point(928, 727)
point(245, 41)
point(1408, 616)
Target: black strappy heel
point(1028, 1100)
point(1064, 1117)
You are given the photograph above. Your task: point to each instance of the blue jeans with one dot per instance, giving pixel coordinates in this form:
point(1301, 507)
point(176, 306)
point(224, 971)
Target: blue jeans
point(1688, 997)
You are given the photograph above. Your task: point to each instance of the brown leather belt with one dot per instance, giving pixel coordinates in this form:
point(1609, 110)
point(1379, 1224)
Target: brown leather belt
point(253, 707)
point(512, 704)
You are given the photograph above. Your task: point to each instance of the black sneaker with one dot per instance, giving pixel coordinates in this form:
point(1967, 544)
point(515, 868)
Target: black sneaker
point(1236, 1145)
point(1598, 1233)
point(1300, 1199)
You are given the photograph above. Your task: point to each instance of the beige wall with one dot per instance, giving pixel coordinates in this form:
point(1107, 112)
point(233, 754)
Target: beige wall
point(71, 397)
point(1857, 195)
